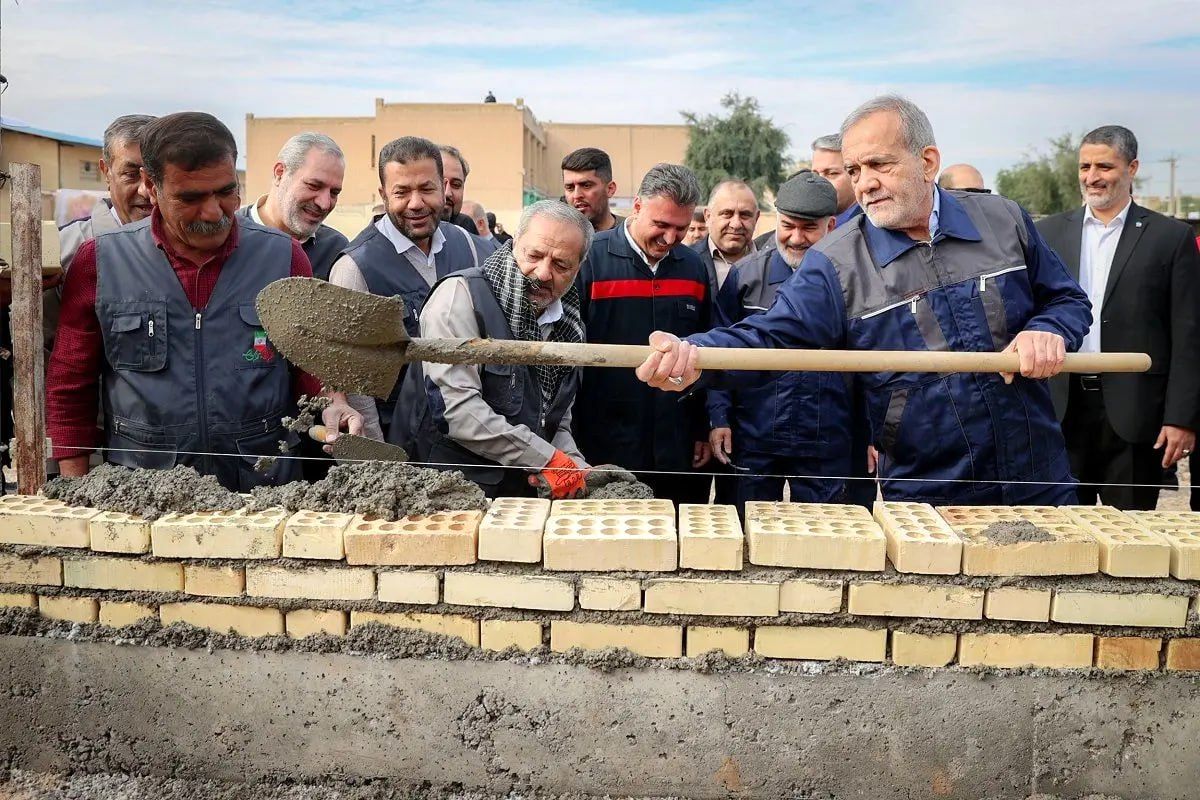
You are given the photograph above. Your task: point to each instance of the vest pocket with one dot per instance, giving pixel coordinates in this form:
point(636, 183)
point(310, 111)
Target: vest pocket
point(136, 338)
point(891, 420)
point(134, 445)
point(259, 352)
point(260, 445)
point(501, 388)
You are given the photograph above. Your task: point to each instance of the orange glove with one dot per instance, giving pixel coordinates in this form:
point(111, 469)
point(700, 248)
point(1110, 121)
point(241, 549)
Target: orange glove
point(562, 477)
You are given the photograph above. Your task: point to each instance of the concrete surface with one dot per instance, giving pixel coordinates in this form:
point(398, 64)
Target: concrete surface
point(250, 716)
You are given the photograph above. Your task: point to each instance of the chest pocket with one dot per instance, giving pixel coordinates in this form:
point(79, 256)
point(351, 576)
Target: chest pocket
point(257, 350)
point(502, 388)
point(136, 338)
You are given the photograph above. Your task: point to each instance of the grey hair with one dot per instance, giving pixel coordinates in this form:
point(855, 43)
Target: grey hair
point(474, 206)
point(559, 212)
point(451, 150)
point(1117, 137)
point(731, 183)
point(673, 181)
point(914, 125)
point(830, 141)
point(295, 150)
point(124, 129)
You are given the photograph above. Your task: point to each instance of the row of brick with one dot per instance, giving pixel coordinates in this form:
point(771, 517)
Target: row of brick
point(685, 596)
point(1048, 650)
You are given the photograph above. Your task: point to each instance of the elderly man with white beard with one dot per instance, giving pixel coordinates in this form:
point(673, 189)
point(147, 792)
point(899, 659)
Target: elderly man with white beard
point(924, 269)
point(305, 184)
point(508, 428)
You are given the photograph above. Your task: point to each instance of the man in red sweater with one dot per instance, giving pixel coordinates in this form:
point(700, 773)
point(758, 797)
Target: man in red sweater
point(158, 323)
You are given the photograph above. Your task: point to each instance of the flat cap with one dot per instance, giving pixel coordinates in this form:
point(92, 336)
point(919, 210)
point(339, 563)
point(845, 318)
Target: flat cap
point(806, 195)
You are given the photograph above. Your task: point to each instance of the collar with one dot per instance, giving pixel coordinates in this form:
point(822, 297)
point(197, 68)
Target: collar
point(935, 215)
point(1117, 221)
point(402, 243)
point(850, 213)
point(112, 210)
point(629, 238)
point(952, 222)
point(552, 314)
point(256, 216)
point(158, 232)
point(717, 255)
point(778, 270)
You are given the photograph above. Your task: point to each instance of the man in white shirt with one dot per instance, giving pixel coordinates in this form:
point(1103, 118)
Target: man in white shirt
point(1141, 271)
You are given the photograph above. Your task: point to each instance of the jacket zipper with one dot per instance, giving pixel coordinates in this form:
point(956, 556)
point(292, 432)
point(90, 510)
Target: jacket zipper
point(983, 278)
point(198, 345)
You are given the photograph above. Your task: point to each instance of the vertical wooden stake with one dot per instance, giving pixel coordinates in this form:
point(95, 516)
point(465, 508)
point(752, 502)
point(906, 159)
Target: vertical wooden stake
point(29, 377)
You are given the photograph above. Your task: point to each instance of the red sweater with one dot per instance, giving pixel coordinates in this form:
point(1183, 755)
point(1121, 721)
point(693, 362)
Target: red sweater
point(73, 376)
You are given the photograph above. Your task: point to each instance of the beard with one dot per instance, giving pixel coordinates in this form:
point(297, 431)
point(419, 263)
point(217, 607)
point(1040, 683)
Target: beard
point(790, 256)
point(406, 228)
point(1101, 198)
point(296, 222)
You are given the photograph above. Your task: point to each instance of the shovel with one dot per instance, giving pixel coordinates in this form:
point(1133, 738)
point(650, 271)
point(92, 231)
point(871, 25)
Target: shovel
point(350, 448)
point(357, 342)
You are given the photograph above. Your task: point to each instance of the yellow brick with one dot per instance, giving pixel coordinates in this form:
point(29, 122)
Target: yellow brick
point(309, 621)
point(214, 581)
point(811, 596)
point(70, 609)
point(508, 591)
point(33, 519)
point(1053, 650)
point(242, 620)
point(614, 507)
point(30, 570)
point(652, 641)
point(98, 572)
point(313, 583)
point(1071, 551)
point(1183, 654)
point(18, 600)
point(448, 537)
point(610, 594)
point(118, 532)
point(512, 530)
point(1185, 552)
point(500, 634)
point(1128, 549)
point(219, 534)
point(417, 588)
point(1026, 605)
point(463, 628)
point(1127, 652)
point(1167, 520)
point(814, 536)
point(315, 534)
point(712, 597)
point(911, 600)
point(119, 614)
point(921, 650)
point(732, 642)
point(578, 543)
point(819, 643)
point(710, 537)
point(918, 540)
point(1096, 608)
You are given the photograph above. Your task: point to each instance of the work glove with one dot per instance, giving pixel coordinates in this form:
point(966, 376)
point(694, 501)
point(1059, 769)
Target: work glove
point(560, 478)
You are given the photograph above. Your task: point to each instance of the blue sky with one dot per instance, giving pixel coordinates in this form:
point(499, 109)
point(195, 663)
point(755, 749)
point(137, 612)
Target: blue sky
point(997, 78)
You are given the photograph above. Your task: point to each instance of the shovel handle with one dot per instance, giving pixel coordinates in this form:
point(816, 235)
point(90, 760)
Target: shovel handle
point(501, 351)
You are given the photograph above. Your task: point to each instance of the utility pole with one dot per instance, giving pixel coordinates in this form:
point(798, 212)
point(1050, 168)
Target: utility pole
point(1173, 202)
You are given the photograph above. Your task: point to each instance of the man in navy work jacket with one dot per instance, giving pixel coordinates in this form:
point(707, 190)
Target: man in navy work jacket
point(927, 269)
point(798, 424)
point(638, 278)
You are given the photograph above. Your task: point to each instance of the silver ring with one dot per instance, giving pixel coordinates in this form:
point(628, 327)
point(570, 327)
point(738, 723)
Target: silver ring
point(675, 381)
point(1187, 452)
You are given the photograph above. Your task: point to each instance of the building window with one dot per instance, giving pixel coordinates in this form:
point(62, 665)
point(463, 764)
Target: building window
point(89, 171)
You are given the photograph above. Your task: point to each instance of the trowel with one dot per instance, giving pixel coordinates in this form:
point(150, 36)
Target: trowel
point(348, 447)
point(356, 342)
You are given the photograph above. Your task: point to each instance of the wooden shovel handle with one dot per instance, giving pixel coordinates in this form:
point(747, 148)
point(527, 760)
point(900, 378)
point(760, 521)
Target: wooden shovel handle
point(499, 351)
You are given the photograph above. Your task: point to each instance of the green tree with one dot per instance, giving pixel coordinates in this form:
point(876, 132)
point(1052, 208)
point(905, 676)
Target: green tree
point(741, 143)
point(1045, 183)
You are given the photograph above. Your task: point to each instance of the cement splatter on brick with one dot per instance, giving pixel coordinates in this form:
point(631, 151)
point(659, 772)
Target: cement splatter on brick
point(146, 493)
point(1015, 532)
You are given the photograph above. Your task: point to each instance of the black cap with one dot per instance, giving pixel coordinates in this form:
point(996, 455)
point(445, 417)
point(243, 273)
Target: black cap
point(806, 195)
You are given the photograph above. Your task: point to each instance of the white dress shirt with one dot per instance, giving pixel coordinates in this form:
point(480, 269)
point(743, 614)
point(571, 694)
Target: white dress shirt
point(629, 238)
point(1096, 250)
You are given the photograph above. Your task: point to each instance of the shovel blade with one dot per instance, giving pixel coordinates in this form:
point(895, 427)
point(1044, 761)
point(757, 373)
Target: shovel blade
point(351, 341)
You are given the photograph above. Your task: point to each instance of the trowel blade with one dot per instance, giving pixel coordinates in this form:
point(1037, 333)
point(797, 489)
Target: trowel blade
point(351, 341)
point(348, 447)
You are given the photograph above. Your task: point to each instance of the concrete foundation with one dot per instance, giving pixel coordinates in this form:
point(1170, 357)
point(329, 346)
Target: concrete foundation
point(250, 716)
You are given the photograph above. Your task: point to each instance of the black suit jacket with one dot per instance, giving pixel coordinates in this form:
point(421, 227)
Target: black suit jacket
point(1151, 305)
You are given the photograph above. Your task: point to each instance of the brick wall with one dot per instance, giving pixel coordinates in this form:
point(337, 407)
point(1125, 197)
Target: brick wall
point(909, 585)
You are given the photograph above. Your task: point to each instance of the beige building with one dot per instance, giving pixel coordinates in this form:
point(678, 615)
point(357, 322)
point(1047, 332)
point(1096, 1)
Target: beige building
point(514, 158)
point(67, 162)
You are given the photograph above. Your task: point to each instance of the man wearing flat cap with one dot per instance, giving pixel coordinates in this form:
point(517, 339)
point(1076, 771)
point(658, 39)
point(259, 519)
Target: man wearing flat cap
point(797, 424)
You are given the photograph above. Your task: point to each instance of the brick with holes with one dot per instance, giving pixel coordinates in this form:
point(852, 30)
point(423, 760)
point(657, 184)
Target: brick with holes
point(1128, 549)
point(219, 534)
point(710, 537)
point(1181, 531)
point(590, 544)
point(37, 520)
point(444, 538)
point(1058, 547)
point(118, 532)
point(315, 534)
point(512, 529)
point(814, 536)
point(918, 540)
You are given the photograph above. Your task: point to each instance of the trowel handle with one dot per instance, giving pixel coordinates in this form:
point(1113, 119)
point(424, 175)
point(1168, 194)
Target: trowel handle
point(317, 433)
point(500, 351)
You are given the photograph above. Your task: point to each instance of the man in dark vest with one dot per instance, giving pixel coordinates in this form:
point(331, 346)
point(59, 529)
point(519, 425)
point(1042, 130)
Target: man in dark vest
point(305, 184)
point(507, 427)
point(405, 250)
point(158, 321)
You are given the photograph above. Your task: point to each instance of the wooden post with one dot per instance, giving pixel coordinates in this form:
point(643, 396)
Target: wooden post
point(29, 376)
